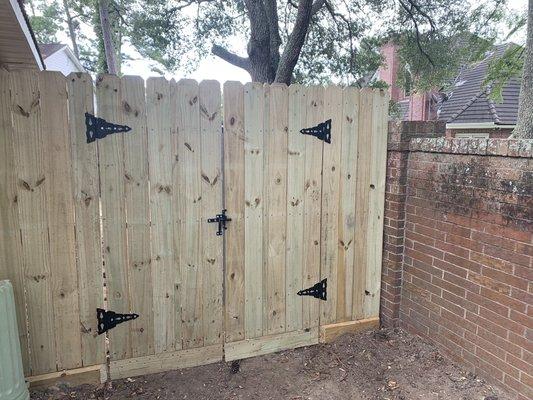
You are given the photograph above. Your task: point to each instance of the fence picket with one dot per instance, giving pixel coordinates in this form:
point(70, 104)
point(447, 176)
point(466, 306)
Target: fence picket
point(136, 188)
point(295, 207)
point(211, 263)
point(11, 257)
point(189, 154)
point(60, 205)
point(234, 139)
point(32, 208)
point(164, 273)
point(347, 205)
point(86, 189)
point(254, 99)
point(330, 205)
point(112, 179)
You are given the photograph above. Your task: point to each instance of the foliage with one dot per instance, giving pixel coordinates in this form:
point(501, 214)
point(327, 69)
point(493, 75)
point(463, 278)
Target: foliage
point(341, 46)
point(48, 23)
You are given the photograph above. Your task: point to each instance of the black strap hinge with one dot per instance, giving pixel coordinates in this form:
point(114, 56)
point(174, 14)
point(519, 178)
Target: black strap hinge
point(321, 131)
point(318, 290)
point(99, 128)
point(109, 319)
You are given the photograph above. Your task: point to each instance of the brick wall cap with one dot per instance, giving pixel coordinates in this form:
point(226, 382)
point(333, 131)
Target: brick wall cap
point(522, 148)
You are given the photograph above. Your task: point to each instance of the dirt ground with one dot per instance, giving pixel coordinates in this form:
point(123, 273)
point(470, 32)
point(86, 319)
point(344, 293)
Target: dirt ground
point(379, 365)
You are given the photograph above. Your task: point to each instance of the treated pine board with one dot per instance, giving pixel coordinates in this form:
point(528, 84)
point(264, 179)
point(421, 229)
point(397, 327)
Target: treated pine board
point(275, 210)
point(270, 344)
point(376, 203)
point(347, 195)
point(167, 361)
point(160, 155)
point(60, 206)
point(234, 202)
point(328, 333)
point(190, 213)
point(211, 257)
point(254, 99)
point(312, 204)
point(86, 193)
point(114, 240)
point(33, 217)
point(11, 264)
point(136, 190)
point(295, 207)
point(364, 162)
point(329, 239)
point(92, 375)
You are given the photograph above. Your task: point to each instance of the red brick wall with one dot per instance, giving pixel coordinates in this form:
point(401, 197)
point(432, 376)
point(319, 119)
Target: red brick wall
point(458, 258)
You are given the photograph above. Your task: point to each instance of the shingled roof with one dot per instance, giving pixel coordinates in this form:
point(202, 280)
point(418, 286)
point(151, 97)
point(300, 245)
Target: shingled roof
point(468, 101)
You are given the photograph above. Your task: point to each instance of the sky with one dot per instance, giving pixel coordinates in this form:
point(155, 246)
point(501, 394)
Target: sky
point(214, 68)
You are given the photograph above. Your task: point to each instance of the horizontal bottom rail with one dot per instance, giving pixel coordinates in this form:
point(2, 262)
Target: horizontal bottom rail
point(165, 361)
point(188, 358)
point(94, 374)
point(270, 344)
point(329, 333)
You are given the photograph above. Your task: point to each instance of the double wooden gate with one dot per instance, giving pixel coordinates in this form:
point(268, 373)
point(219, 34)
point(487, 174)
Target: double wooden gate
point(121, 223)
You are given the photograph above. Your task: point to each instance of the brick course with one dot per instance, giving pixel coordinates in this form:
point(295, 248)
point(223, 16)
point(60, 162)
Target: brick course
point(458, 253)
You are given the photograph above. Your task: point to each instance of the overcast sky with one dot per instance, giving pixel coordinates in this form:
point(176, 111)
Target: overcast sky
point(214, 68)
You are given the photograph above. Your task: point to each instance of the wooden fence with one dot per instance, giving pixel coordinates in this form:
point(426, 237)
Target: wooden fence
point(121, 223)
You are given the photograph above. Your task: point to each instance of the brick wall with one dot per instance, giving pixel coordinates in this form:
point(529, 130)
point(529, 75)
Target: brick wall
point(458, 254)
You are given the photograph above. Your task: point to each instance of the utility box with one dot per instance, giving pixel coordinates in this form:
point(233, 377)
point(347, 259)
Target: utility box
point(12, 383)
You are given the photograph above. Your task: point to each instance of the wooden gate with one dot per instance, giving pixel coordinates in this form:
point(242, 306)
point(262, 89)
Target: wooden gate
point(302, 211)
point(121, 223)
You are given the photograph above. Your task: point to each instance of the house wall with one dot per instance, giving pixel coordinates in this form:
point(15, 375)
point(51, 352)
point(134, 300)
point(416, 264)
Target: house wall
point(493, 133)
point(458, 253)
point(60, 61)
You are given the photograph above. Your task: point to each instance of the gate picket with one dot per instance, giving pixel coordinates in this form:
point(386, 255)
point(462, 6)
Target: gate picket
point(86, 189)
point(234, 140)
point(158, 104)
point(32, 206)
point(60, 206)
point(136, 188)
point(114, 241)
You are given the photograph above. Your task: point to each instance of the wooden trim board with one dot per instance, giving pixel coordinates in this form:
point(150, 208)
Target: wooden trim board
point(270, 344)
point(165, 361)
point(94, 375)
point(330, 332)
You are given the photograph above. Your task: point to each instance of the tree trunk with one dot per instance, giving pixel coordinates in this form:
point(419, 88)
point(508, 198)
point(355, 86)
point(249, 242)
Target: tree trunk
point(71, 30)
point(110, 54)
point(524, 126)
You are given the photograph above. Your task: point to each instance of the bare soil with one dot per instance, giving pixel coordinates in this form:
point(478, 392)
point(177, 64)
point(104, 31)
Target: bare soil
point(378, 365)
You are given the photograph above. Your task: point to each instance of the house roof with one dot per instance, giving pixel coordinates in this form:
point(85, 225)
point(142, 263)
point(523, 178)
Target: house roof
point(469, 101)
point(18, 47)
point(50, 48)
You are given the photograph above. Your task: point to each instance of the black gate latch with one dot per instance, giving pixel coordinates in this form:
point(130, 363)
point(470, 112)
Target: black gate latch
point(221, 219)
point(318, 290)
point(321, 131)
point(109, 319)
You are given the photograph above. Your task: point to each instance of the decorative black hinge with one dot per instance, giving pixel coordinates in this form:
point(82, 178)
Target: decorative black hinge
point(99, 128)
point(221, 219)
point(109, 319)
point(321, 131)
point(319, 290)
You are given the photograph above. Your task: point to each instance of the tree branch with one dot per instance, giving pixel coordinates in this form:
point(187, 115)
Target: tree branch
point(296, 40)
point(271, 9)
point(234, 59)
point(412, 17)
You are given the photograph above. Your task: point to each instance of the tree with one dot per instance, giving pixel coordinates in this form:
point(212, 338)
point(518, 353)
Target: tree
point(524, 126)
point(316, 40)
